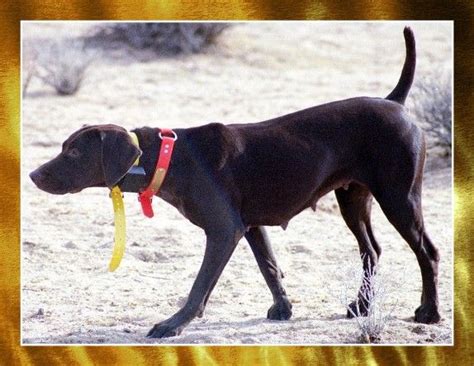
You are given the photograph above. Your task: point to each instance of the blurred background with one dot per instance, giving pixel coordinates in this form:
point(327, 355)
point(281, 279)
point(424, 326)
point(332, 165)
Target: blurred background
point(192, 73)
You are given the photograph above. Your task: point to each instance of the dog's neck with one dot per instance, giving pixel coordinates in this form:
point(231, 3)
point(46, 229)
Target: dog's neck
point(148, 142)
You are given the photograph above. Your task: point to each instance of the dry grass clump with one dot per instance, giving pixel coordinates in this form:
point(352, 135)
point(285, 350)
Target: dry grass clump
point(63, 63)
point(60, 63)
point(374, 292)
point(166, 39)
point(28, 67)
point(431, 104)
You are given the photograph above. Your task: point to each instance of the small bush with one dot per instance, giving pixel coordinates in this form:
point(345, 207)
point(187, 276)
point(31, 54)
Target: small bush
point(431, 105)
point(163, 38)
point(374, 292)
point(28, 66)
point(63, 63)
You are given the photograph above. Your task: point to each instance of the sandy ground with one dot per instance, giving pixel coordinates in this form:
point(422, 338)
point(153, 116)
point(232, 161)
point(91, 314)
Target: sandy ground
point(257, 71)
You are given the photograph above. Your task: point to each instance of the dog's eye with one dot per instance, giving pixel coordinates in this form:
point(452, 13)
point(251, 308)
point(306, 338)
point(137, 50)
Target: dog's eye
point(74, 153)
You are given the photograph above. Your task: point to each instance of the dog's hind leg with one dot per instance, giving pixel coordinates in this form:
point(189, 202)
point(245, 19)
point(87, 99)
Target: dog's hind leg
point(403, 210)
point(355, 204)
point(260, 245)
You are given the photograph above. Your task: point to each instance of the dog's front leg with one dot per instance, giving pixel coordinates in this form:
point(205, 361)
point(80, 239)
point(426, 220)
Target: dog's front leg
point(262, 250)
point(219, 247)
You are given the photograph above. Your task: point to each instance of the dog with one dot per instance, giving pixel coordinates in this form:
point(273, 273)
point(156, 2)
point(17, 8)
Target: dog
point(232, 180)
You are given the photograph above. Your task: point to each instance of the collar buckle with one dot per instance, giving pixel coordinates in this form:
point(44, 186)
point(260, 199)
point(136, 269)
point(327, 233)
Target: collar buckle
point(168, 132)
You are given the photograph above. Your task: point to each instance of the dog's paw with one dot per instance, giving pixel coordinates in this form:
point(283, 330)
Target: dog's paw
point(165, 329)
point(355, 309)
point(280, 310)
point(427, 314)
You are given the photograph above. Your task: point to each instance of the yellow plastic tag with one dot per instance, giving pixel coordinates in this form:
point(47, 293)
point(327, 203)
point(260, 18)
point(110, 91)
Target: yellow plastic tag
point(119, 220)
point(134, 138)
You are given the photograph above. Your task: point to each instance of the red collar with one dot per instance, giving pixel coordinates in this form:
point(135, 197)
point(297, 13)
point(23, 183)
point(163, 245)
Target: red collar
point(145, 197)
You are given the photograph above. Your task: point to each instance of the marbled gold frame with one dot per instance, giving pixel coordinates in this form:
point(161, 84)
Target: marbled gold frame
point(14, 11)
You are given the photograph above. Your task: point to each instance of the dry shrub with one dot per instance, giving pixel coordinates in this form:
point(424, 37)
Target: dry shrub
point(375, 292)
point(431, 105)
point(28, 66)
point(164, 38)
point(62, 64)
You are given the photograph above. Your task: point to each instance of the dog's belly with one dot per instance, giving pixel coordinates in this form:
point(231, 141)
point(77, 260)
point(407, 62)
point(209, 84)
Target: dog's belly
point(277, 208)
point(275, 215)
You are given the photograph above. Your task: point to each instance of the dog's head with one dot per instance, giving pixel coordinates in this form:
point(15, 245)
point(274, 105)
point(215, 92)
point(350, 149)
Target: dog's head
point(94, 156)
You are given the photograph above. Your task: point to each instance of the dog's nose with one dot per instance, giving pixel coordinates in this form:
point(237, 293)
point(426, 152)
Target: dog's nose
point(37, 177)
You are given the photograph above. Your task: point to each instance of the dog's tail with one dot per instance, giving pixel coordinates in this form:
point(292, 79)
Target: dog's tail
point(399, 94)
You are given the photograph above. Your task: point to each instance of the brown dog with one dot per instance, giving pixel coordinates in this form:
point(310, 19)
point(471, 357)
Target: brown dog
point(233, 180)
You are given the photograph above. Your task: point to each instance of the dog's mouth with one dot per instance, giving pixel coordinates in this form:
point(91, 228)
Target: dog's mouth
point(45, 182)
point(58, 190)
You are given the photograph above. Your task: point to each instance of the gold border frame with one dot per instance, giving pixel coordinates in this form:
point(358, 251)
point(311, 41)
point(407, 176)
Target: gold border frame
point(14, 11)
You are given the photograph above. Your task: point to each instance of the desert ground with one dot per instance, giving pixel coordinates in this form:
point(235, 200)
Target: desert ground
point(255, 71)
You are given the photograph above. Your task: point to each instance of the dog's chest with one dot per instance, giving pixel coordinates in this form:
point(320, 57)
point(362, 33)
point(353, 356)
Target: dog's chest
point(173, 200)
point(179, 204)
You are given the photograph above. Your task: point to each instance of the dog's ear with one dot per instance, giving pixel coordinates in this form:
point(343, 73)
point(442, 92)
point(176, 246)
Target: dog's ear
point(118, 155)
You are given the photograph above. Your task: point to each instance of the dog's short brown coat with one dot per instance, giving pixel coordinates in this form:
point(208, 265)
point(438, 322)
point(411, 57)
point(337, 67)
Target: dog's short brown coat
point(233, 180)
